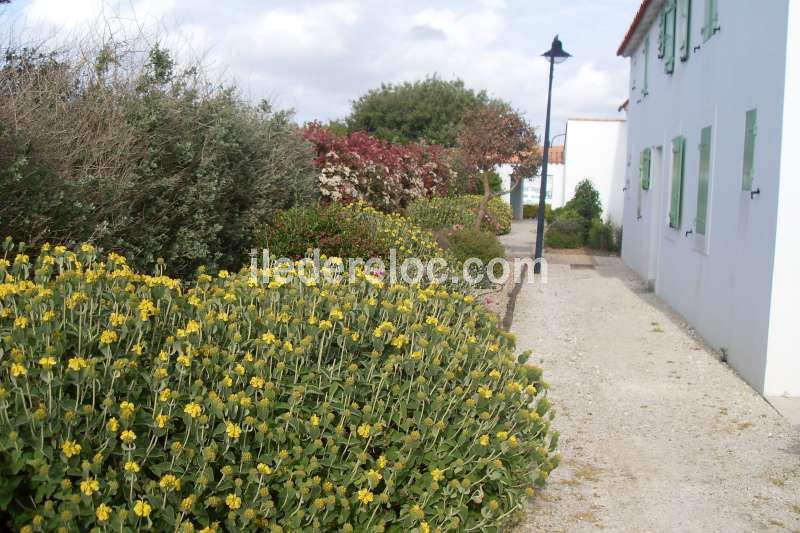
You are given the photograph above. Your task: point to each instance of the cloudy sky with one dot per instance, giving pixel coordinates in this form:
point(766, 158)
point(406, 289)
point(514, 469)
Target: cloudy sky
point(316, 56)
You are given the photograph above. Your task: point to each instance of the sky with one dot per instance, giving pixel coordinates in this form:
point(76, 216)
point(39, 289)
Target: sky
point(317, 56)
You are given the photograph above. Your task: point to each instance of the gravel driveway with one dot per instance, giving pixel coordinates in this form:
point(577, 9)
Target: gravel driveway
point(656, 433)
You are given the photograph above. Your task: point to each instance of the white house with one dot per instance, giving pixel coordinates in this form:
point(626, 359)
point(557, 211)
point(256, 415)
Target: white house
point(713, 175)
point(594, 149)
point(527, 192)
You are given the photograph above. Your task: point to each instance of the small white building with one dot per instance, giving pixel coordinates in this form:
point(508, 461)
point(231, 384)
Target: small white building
point(713, 175)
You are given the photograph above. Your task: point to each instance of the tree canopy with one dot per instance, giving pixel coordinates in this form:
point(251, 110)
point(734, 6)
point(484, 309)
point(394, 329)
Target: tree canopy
point(431, 110)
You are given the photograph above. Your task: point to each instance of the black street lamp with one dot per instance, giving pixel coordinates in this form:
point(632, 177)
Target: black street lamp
point(556, 54)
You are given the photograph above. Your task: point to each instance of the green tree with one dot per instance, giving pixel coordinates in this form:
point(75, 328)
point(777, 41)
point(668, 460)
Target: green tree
point(431, 109)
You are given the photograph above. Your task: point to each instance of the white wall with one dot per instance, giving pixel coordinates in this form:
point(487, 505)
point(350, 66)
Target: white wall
point(722, 283)
point(783, 348)
point(555, 181)
point(595, 150)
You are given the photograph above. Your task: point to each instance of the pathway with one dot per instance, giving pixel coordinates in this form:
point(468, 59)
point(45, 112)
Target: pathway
point(656, 433)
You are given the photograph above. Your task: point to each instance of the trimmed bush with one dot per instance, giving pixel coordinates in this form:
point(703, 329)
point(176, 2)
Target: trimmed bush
point(565, 233)
point(465, 242)
point(443, 213)
point(128, 401)
point(602, 236)
point(586, 202)
point(532, 211)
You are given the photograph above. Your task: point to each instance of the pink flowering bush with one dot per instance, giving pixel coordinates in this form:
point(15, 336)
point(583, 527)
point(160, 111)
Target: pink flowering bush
point(359, 167)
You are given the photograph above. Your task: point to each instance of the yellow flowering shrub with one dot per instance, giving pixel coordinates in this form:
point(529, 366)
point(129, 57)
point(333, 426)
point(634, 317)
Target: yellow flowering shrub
point(130, 401)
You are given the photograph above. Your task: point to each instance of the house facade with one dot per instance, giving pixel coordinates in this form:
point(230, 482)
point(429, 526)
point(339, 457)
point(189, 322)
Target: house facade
point(713, 171)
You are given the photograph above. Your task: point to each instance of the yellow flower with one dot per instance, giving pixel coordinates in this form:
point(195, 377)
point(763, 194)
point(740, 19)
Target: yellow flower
point(233, 430)
point(131, 467)
point(486, 393)
point(424, 528)
point(142, 508)
point(127, 436)
point(314, 420)
point(233, 501)
point(47, 362)
point(268, 337)
point(263, 469)
point(257, 382)
point(108, 337)
point(363, 430)
point(437, 474)
point(77, 363)
point(373, 477)
point(502, 435)
point(127, 409)
point(382, 462)
point(112, 424)
point(164, 395)
point(325, 325)
point(484, 440)
point(21, 322)
point(288, 346)
point(169, 482)
point(103, 512)
point(70, 448)
point(116, 319)
point(17, 370)
point(161, 421)
point(193, 409)
point(336, 314)
point(90, 486)
point(365, 496)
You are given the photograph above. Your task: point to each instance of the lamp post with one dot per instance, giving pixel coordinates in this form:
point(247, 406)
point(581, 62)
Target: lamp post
point(556, 54)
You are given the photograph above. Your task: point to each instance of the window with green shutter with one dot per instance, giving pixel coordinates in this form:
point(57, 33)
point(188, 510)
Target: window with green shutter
point(669, 37)
point(646, 51)
point(645, 168)
point(685, 27)
point(662, 35)
point(703, 180)
point(710, 19)
point(749, 150)
point(676, 191)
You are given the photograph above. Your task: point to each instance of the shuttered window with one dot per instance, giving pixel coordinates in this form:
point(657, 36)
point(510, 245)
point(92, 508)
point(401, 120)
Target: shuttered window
point(676, 191)
point(669, 37)
point(710, 19)
point(646, 83)
point(684, 28)
point(662, 35)
point(645, 168)
point(703, 180)
point(749, 150)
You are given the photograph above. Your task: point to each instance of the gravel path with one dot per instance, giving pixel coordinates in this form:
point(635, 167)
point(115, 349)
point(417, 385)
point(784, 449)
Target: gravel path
point(656, 433)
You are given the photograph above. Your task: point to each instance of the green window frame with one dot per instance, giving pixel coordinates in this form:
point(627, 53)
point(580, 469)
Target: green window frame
point(644, 168)
point(748, 159)
point(669, 36)
point(685, 25)
point(662, 35)
point(646, 82)
point(676, 191)
point(710, 19)
point(704, 176)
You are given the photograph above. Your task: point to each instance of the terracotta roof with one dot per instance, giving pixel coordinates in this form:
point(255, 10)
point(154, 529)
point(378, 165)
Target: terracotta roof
point(556, 155)
point(647, 12)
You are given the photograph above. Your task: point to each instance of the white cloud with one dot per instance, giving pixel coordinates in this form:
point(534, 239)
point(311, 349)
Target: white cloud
point(318, 55)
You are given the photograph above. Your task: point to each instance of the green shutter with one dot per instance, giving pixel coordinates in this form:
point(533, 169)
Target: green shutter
point(645, 168)
point(710, 19)
point(749, 150)
point(702, 181)
point(646, 67)
point(685, 20)
point(676, 193)
point(669, 37)
point(662, 35)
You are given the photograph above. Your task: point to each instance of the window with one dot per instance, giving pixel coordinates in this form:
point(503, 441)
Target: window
point(676, 192)
point(684, 27)
point(645, 168)
point(702, 181)
point(645, 92)
point(668, 27)
point(749, 150)
point(710, 20)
